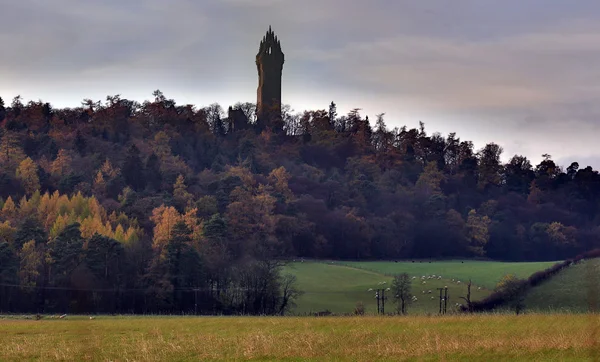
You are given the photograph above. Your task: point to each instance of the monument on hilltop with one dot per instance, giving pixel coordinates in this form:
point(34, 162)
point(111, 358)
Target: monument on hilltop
point(269, 62)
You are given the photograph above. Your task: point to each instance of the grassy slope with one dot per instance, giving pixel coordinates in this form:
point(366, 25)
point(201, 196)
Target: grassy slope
point(483, 273)
point(338, 288)
point(574, 289)
point(451, 338)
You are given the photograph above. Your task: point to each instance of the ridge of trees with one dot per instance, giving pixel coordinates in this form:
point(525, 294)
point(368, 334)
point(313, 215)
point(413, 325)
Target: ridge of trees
point(191, 198)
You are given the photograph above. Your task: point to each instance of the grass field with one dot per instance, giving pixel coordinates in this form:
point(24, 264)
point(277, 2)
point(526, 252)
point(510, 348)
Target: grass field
point(338, 286)
point(451, 338)
point(483, 273)
point(575, 289)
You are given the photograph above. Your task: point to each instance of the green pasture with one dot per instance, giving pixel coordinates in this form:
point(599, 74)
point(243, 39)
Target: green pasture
point(574, 289)
point(338, 286)
point(483, 273)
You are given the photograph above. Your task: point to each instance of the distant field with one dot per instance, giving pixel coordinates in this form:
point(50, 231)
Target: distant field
point(483, 273)
point(451, 338)
point(575, 289)
point(338, 286)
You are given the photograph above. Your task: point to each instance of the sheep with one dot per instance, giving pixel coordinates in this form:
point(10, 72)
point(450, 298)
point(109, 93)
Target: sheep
point(424, 282)
point(370, 290)
point(439, 277)
point(62, 316)
point(92, 318)
point(414, 277)
point(458, 282)
point(432, 297)
point(388, 289)
point(423, 292)
point(478, 288)
point(429, 291)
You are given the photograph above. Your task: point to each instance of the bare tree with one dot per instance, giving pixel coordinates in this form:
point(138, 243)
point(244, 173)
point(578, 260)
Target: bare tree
point(468, 298)
point(289, 293)
point(401, 287)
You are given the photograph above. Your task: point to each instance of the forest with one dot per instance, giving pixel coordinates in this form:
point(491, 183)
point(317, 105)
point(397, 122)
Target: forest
point(155, 207)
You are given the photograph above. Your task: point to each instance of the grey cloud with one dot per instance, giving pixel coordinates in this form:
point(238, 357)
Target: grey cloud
point(523, 74)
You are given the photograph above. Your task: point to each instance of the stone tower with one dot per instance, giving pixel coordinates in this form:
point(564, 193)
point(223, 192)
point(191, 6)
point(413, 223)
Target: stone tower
point(269, 62)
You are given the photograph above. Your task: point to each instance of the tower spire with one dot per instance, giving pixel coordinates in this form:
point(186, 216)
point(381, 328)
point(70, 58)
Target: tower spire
point(269, 62)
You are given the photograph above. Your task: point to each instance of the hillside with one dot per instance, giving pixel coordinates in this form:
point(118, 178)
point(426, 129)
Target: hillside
point(574, 289)
point(148, 207)
point(338, 286)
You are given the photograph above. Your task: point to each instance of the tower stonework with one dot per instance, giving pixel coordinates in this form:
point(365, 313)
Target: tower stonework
point(269, 62)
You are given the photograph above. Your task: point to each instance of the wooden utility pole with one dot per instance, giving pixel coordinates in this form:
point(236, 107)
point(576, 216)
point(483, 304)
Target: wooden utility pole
point(381, 298)
point(443, 300)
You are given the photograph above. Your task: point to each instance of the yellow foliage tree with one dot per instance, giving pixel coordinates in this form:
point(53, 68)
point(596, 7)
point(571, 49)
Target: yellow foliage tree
point(27, 174)
point(165, 218)
point(7, 232)
point(11, 152)
point(430, 180)
point(180, 193)
point(108, 170)
point(31, 260)
point(478, 231)
point(99, 185)
point(279, 178)
point(61, 166)
point(9, 210)
point(55, 212)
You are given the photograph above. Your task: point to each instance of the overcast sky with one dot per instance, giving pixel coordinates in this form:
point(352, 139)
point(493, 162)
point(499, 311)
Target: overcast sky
point(524, 74)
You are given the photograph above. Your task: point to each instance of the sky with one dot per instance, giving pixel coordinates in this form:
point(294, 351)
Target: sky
point(523, 74)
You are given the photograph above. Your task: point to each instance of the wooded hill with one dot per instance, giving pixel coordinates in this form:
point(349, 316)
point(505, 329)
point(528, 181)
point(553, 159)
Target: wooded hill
point(174, 186)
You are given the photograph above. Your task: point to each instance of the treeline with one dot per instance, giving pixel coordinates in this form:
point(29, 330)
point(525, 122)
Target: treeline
point(313, 184)
point(68, 254)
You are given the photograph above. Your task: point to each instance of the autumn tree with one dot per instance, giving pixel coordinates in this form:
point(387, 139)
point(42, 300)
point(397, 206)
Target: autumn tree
point(490, 166)
point(61, 166)
point(30, 266)
point(430, 180)
point(11, 151)
point(180, 193)
point(478, 231)
point(27, 173)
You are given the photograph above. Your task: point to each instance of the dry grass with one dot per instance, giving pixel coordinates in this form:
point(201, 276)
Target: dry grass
point(452, 338)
